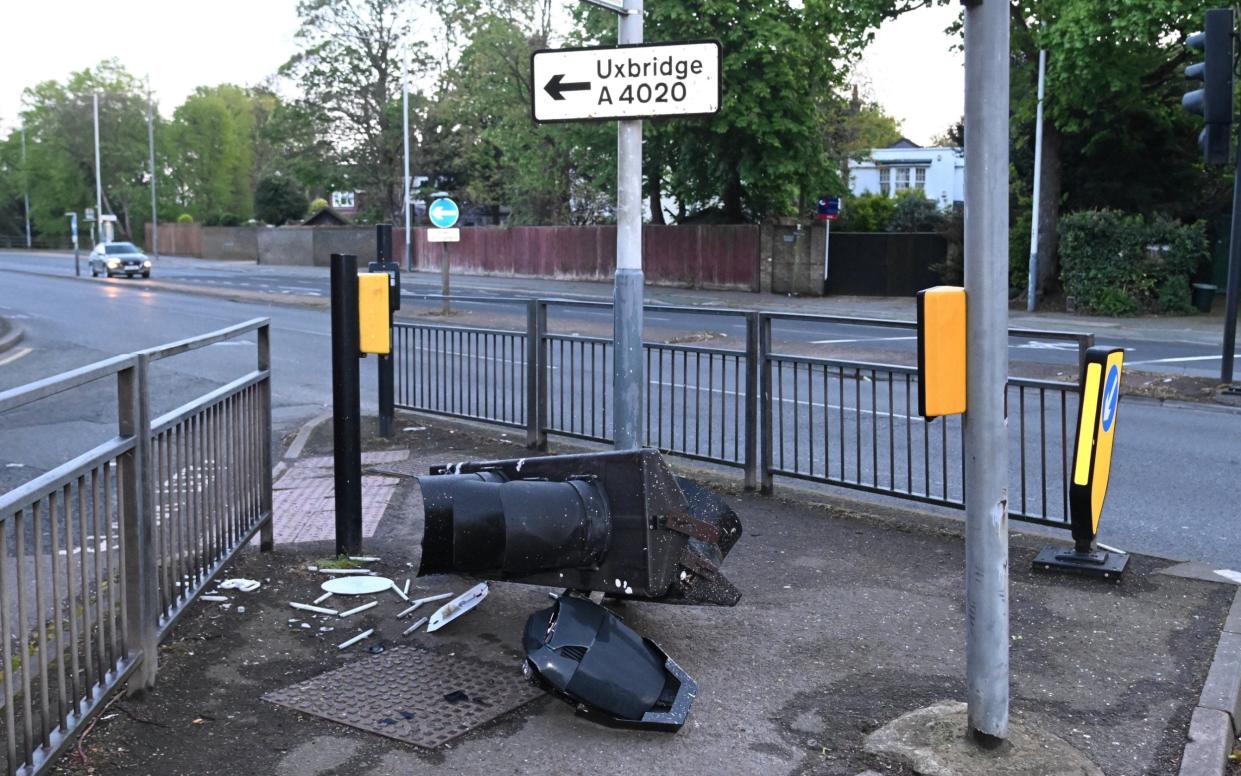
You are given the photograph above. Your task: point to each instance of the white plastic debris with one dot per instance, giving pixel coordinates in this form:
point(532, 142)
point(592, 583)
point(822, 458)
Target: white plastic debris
point(213, 598)
point(405, 590)
point(458, 606)
point(316, 609)
point(364, 558)
point(355, 639)
point(239, 583)
point(414, 627)
point(356, 585)
point(322, 598)
point(357, 609)
point(345, 572)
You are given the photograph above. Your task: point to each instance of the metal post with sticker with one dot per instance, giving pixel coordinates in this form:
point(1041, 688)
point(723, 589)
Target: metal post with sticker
point(1091, 469)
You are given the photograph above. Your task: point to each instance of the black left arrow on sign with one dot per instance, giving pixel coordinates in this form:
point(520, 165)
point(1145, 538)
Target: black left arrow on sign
point(557, 86)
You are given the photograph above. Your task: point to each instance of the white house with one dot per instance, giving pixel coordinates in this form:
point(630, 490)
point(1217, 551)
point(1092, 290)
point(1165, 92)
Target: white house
point(938, 171)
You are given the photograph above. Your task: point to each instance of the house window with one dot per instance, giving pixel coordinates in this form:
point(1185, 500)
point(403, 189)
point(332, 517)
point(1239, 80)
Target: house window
point(920, 178)
point(902, 178)
point(885, 181)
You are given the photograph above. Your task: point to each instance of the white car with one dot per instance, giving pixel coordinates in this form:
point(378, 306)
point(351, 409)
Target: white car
point(119, 258)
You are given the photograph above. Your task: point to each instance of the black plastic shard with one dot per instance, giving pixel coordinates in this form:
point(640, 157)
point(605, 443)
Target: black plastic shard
point(616, 522)
point(583, 654)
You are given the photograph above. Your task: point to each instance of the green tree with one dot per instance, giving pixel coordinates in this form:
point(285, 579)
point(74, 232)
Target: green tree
point(212, 139)
point(278, 201)
point(480, 140)
point(1114, 132)
point(349, 69)
point(765, 153)
point(60, 147)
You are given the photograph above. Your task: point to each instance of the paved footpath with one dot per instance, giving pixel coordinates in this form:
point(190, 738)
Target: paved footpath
point(847, 620)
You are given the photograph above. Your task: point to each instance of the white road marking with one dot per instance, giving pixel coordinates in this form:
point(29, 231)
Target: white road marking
point(16, 354)
point(1180, 360)
point(1038, 345)
point(860, 339)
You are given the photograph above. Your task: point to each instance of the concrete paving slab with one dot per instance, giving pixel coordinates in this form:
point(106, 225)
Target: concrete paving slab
point(1222, 691)
point(933, 742)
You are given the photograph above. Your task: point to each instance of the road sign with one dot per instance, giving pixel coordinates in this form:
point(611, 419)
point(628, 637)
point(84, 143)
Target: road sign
point(90, 214)
point(829, 208)
point(443, 213)
point(443, 235)
point(626, 82)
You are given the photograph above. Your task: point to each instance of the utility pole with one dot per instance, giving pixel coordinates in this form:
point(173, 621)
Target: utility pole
point(628, 372)
point(26, 186)
point(985, 425)
point(1032, 283)
point(98, 176)
point(151, 144)
point(409, 254)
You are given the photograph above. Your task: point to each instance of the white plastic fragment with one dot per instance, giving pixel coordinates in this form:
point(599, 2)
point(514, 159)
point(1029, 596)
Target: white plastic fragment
point(357, 609)
point(239, 583)
point(364, 558)
point(414, 627)
point(213, 598)
point(337, 572)
point(322, 598)
point(355, 639)
point(458, 606)
point(356, 584)
point(399, 592)
point(316, 609)
point(405, 590)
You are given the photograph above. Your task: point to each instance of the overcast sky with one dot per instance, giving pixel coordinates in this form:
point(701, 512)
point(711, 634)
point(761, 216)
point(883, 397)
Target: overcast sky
point(909, 70)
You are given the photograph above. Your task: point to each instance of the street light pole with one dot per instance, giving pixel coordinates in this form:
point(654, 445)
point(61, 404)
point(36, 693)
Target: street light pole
point(151, 145)
point(25, 186)
point(98, 176)
point(409, 254)
point(1032, 281)
point(985, 424)
point(628, 373)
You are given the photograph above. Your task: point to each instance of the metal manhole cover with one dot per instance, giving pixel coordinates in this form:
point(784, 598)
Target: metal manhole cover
point(402, 693)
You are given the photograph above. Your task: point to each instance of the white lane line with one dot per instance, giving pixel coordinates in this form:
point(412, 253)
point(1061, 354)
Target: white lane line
point(300, 289)
point(16, 354)
point(860, 339)
point(1180, 360)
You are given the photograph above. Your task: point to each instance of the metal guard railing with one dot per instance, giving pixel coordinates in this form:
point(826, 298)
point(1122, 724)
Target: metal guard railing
point(844, 423)
point(102, 554)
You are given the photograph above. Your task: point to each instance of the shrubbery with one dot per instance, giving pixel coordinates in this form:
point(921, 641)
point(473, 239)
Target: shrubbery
point(185, 218)
point(867, 213)
point(1119, 264)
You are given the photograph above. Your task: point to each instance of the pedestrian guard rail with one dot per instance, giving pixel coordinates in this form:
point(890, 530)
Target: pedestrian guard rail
point(755, 406)
point(102, 554)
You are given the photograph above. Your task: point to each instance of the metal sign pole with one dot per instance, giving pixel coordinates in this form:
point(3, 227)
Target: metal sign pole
point(985, 427)
point(151, 146)
point(346, 404)
point(98, 174)
point(628, 373)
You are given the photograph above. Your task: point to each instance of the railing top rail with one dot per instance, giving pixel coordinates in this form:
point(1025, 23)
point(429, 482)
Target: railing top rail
point(420, 324)
point(50, 386)
point(203, 340)
point(893, 323)
point(28, 492)
point(566, 302)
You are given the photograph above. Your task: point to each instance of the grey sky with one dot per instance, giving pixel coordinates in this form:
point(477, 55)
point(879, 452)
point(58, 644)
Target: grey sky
point(909, 69)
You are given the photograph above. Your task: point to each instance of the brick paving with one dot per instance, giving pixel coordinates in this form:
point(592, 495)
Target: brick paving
point(303, 500)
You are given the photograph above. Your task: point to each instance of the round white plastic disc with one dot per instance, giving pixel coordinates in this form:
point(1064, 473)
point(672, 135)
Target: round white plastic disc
point(357, 585)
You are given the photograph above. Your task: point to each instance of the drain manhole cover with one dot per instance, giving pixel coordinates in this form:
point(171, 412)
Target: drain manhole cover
point(411, 695)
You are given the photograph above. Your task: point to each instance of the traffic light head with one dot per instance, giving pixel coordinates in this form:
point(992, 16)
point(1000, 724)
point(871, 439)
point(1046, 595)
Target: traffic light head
point(616, 522)
point(1214, 100)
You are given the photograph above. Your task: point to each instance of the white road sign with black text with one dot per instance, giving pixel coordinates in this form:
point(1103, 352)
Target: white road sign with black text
point(626, 82)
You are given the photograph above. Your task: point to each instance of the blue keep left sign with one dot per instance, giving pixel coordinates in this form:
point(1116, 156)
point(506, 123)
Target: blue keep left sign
point(443, 213)
point(1111, 397)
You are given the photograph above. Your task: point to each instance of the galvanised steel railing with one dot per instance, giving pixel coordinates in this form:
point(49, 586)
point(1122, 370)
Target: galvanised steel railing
point(102, 554)
point(846, 423)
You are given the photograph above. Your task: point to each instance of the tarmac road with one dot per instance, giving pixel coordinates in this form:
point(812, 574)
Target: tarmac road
point(1175, 470)
point(1183, 350)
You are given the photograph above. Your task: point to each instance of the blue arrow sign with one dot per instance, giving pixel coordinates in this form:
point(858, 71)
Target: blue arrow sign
point(1111, 396)
point(443, 213)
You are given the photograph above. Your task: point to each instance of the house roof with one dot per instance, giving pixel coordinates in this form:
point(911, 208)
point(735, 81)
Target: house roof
point(328, 216)
point(904, 142)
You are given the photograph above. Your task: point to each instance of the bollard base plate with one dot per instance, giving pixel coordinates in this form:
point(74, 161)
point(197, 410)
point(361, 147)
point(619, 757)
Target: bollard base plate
point(1099, 563)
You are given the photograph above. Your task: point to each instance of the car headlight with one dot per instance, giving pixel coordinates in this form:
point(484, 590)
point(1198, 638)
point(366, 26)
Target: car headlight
point(113, 263)
point(146, 263)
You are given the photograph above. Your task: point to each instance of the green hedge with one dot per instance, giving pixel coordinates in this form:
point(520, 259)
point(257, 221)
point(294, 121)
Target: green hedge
point(1114, 263)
